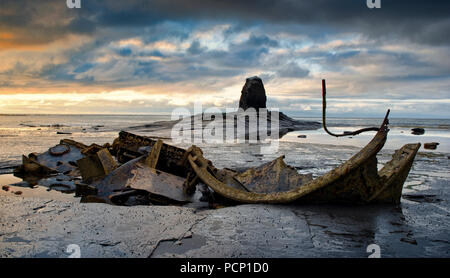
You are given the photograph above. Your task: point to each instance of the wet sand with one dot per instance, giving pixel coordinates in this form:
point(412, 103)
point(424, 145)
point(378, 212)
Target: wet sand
point(44, 227)
point(41, 223)
point(36, 192)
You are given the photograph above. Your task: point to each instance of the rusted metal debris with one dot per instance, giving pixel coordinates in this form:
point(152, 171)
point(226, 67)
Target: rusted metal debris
point(134, 170)
point(140, 170)
point(97, 165)
point(346, 133)
point(55, 168)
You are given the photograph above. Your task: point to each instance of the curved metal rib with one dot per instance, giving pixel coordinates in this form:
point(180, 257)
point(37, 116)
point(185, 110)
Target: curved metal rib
point(324, 108)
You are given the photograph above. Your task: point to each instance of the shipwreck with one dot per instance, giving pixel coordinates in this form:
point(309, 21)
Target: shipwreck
point(139, 170)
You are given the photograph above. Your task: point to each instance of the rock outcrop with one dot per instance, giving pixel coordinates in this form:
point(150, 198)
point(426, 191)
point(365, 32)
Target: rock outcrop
point(418, 131)
point(253, 94)
point(430, 146)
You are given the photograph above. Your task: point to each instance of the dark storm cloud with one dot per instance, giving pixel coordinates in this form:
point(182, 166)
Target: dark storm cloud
point(40, 22)
point(417, 20)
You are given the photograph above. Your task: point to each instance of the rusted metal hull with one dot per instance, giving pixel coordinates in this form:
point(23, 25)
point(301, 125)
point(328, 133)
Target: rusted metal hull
point(356, 181)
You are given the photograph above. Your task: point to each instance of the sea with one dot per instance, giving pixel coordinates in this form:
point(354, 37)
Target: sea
point(316, 154)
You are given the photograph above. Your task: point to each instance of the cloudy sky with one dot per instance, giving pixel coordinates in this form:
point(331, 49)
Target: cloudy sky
point(152, 56)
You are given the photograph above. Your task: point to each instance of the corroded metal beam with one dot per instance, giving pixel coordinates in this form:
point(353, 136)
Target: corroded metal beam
point(324, 124)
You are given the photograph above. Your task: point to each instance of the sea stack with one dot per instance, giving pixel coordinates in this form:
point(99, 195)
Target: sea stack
point(253, 94)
